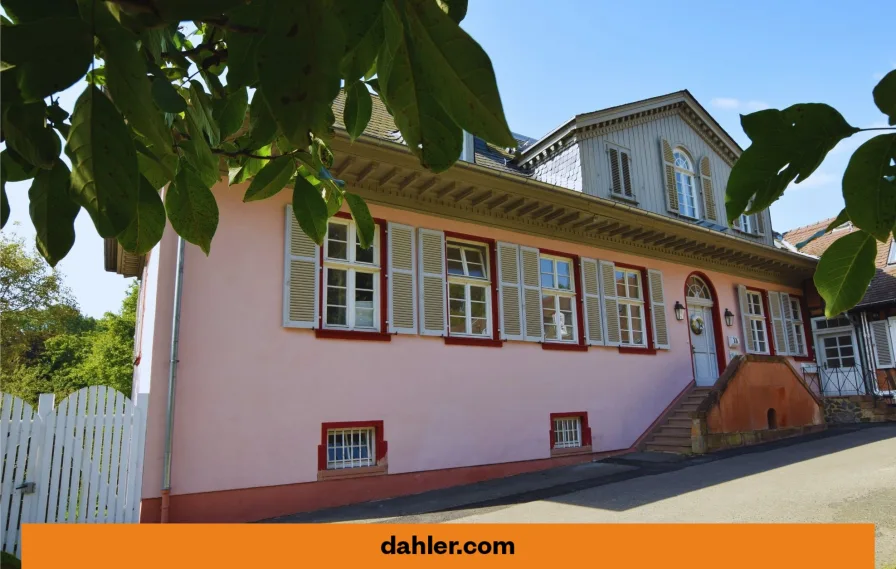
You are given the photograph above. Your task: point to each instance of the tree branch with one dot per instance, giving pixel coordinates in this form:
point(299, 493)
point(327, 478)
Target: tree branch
point(243, 153)
point(224, 22)
point(878, 128)
point(194, 51)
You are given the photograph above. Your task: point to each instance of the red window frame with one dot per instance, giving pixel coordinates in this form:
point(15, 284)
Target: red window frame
point(382, 447)
point(382, 335)
point(650, 349)
point(579, 345)
point(492, 250)
point(586, 434)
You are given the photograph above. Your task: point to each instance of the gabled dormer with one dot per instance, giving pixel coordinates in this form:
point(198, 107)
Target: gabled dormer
point(666, 155)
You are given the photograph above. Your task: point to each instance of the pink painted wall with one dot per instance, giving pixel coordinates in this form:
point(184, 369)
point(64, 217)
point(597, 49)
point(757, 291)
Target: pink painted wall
point(251, 395)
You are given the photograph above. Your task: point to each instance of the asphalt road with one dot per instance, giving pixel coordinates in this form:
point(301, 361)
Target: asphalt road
point(841, 479)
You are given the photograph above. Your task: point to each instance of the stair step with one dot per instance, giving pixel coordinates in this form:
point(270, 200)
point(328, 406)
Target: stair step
point(680, 416)
point(674, 431)
point(686, 406)
point(680, 422)
point(677, 449)
point(671, 440)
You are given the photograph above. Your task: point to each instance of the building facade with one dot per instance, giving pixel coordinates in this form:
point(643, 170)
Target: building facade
point(520, 311)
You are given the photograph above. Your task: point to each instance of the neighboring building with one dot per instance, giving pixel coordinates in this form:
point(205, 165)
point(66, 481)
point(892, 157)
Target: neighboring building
point(517, 312)
point(859, 347)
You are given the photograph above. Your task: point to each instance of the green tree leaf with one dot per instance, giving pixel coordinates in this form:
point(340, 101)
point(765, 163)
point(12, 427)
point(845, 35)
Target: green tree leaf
point(310, 210)
point(130, 88)
point(358, 109)
point(13, 168)
point(459, 73)
point(166, 96)
point(262, 128)
point(271, 179)
point(199, 154)
point(148, 225)
point(250, 166)
point(362, 25)
point(231, 112)
point(456, 9)
point(869, 186)
point(428, 131)
point(24, 127)
point(192, 208)
point(885, 96)
point(200, 110)
point(844, 272)
point(49, 54)
point(30, 10)
point(158, 171)
point(53, 212)
point(104, 173)
point(787, 147)
point(242, 47)
point(298, 67)
point(362, 218)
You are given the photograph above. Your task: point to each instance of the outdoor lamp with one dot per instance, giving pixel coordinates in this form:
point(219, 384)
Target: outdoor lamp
point(729, 318)
point(679, 311)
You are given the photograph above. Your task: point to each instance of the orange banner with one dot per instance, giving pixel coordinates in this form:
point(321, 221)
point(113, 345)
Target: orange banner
point(689, 546)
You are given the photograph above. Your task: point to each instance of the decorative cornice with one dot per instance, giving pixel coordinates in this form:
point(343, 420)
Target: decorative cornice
point(480, 195)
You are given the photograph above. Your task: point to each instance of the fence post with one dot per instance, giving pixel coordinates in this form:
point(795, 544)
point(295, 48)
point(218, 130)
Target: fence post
point(46, 413)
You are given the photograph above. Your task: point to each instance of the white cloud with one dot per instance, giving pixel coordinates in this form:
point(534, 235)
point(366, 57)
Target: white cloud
point(725, 103)
point(732, 104)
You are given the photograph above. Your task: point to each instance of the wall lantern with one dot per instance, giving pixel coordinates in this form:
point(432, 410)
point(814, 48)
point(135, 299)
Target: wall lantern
point(729, 318)
point(679, 311)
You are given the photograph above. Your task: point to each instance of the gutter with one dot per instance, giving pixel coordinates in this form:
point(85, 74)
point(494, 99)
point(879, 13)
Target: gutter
point(172, 378)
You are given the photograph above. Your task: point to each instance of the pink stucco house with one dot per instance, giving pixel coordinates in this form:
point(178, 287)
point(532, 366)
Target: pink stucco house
point(520, 311)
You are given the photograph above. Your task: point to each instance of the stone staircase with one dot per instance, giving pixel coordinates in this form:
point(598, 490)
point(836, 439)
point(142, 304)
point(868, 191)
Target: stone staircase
point(673, 433)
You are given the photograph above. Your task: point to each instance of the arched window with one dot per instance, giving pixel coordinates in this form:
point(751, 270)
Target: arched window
point(684, 183)
point(698, 289)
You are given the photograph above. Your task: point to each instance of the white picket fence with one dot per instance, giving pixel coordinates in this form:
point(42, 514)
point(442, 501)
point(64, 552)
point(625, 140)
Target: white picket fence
point(81, 462)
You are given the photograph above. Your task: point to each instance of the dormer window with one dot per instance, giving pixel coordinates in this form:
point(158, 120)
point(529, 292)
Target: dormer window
point(620, 171)
point(685, 185)
point(746, 223)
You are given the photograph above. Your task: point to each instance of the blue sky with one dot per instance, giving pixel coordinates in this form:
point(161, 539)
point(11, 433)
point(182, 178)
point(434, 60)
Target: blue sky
point(557, 59)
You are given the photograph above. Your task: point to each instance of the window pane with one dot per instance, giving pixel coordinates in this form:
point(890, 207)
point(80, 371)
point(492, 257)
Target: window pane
point(477, 309)
point(473, 256)
point(458, 291)
point(458, 325)
point(455, 267)
point(457, 308)
point(453, 253)
point(364, 280)
point(849, 362)
point(547, 317)
point(830, 342)
point(363, 255)
point(638, 337)
point(336, 277)
point(620, 283)
point(363, 298)
point(336, 315)
point(337, 239)
point(477, 293)
point(563, 268)
point(476, 270)
point(479, 325)
point(364, 317)
point(634, 288)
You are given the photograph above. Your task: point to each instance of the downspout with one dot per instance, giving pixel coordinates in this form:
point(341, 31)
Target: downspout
point(172, 378)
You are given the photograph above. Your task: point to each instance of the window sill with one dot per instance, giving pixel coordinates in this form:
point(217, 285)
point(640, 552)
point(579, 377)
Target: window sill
point(557, 452)
point(352, 335)
point(803, 359)
point(563, 347)
point(343, 473)
point(633, 350)
point(481, 342)
point(626, 199)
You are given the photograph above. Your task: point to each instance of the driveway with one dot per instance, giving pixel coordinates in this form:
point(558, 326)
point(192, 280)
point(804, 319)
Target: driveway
point(840, 476)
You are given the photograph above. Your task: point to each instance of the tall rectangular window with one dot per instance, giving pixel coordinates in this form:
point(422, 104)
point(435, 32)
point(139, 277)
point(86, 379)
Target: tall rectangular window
point(630, 298)
point(469, 287)
point(558, 299)
point(756, 318)
point(799, 332)
point(351, 279)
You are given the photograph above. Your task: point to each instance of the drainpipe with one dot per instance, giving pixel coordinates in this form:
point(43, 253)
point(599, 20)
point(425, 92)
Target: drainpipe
point(172, 378)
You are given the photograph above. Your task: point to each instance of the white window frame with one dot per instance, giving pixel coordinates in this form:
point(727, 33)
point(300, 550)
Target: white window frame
point(746, 223)
point(798, 326)
point(468, 281)
point(351, 266)
point(689, 173)
point(760, 321)
point(891, 255)
point(571, 425)
point(351, 462)
point(556, 294)
point(625, 322)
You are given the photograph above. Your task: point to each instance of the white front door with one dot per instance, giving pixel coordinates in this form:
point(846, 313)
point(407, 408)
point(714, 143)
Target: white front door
point(703, 344)
point(840, 373)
